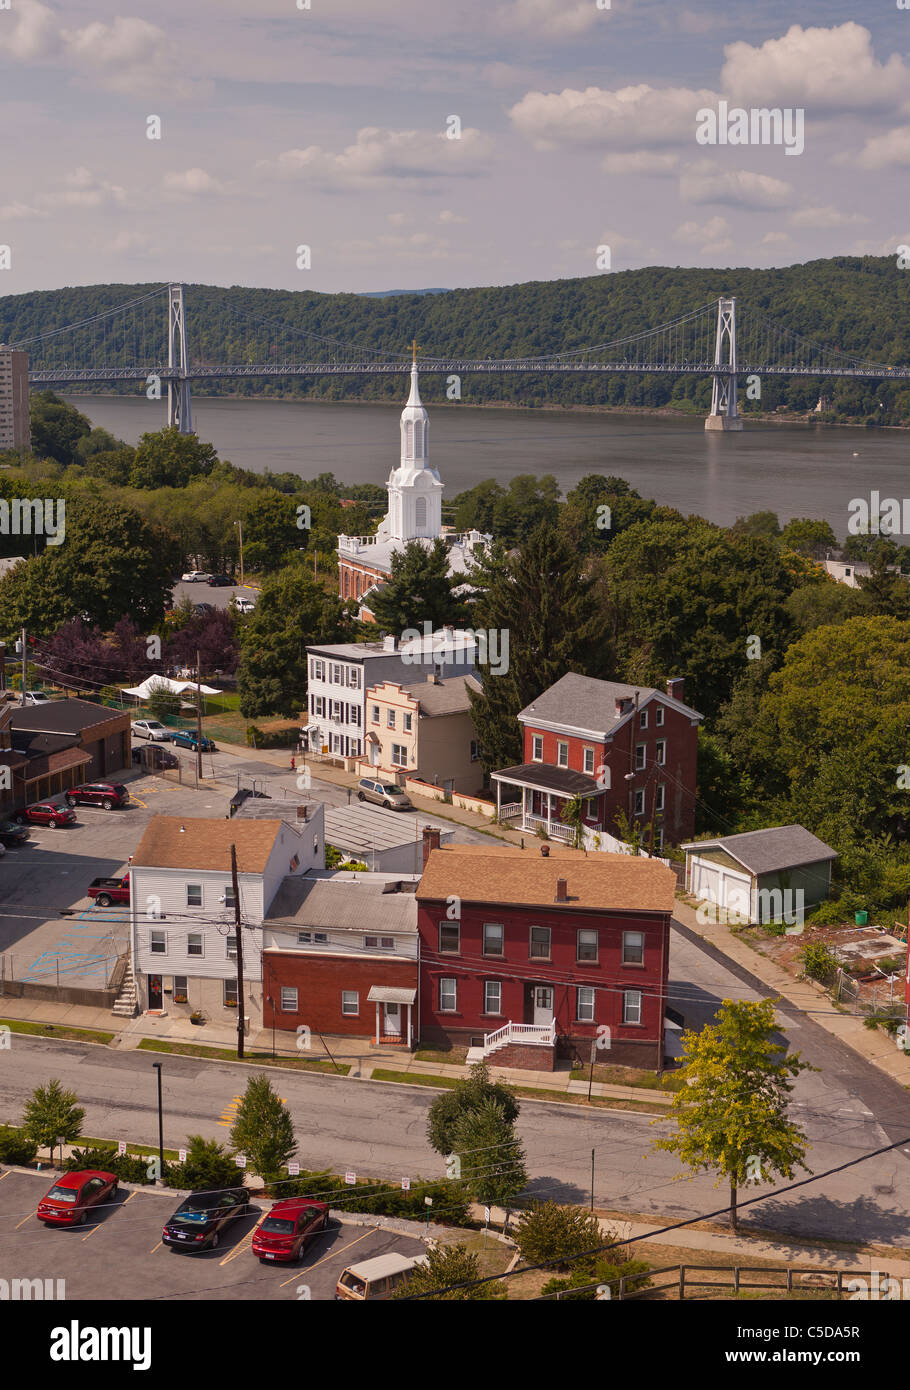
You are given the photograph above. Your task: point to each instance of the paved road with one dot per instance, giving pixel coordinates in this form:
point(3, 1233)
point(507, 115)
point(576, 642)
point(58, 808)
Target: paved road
point(218, 598)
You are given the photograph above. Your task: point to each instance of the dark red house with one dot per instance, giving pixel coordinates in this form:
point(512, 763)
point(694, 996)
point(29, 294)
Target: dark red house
point(626, 748)
point(529, 954)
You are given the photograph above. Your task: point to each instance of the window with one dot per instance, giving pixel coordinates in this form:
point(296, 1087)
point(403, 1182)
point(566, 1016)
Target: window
point(288, 999)
point(449, 938)
point(562, 754)
point(591, 808)
point(640, 752)
point(180, 985)
point(337, 675)
point(317, 670)
point(350, 1003)
point(659, 804)
point(631, 1006)
point(232, 947)
point(540, 943)
point(194, 943)
point(643, 719)
point(353, 678)
point(586, 945)
point(230, 994)
point(382, 943)
point(639, 803)
point(659, 716)
point(399, 755)
point(354, 715)
point(661, 752)
point(584, 1004)
point(492, 996)
point(448, 995)
point(588, 760)
point(420, 506)
point(407, 721)
point(158, 943)
point(537, 748)
point(194, 895)
point(374, 714)
point(229, 899)
point(493, 939)
point(304, 938)
point(320, 706)
point(390, 718)
point(633, 948)
point(320, 936)
point(475, 750)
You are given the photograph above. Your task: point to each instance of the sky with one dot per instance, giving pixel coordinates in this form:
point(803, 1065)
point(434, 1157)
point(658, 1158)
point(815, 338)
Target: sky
point(418, 143)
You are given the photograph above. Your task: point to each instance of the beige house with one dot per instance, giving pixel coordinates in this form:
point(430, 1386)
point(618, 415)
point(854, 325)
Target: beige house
point(424, 731)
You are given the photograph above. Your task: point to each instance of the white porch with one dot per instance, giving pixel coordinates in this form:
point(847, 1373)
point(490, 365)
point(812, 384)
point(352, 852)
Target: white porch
point(394, 1022)
point(533, 1034)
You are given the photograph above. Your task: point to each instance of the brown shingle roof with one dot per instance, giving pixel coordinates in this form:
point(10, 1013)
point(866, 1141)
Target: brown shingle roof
point(599, 882)
point(206, 844)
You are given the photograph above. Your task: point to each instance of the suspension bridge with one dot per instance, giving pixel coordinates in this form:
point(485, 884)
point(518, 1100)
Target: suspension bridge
point(146, 340)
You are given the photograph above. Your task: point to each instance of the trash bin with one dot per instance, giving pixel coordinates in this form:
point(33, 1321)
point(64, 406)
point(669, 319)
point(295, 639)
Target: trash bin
point(861, 918)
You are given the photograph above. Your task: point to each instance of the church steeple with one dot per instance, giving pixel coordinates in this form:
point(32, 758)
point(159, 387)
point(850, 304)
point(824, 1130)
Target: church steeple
point(415, 424)
point(415, 488)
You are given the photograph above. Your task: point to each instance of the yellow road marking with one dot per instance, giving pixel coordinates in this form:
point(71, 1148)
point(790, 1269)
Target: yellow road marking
point(240, 1247)
point(4, 1175)
point(134, 797)
point(329, 1256)
point(28, 1218)
point(156, 1247)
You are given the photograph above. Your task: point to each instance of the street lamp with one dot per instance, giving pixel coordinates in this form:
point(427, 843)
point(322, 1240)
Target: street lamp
point(239, 524)
point(157, 1066)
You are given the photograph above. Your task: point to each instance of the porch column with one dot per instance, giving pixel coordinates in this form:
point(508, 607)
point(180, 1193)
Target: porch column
point(524, 808)
point(408, 1007)
point(549, 811)
point(377, 1025)
point(499, 804)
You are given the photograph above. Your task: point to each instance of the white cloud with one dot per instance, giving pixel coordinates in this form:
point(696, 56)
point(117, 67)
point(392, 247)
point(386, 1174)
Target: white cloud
point(891, 150)
point(449, 217)
point(775, 238)
point(826, 217)
point(639, 162)
point(14, 212)
point(703, 182)
point(386, 157)
point(30, 32)
point(190, 183)
point(826, 69)
point(555, 19)
point(630, 119)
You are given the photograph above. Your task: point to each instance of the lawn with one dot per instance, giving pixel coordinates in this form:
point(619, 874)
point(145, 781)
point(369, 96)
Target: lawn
point(55, 1030)
point(261, 1059)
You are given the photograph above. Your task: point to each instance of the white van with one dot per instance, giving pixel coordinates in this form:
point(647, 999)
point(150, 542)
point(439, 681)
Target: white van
point(376, 1278)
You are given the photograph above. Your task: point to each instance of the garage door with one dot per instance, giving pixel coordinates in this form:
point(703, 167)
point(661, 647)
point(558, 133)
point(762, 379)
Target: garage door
point(705, 881)
point(736, 896)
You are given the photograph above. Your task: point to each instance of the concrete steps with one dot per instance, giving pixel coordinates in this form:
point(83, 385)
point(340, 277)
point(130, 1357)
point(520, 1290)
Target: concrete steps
point(126, 1003)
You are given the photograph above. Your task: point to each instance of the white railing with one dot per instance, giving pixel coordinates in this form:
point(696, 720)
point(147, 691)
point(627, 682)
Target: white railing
point(510, 810)
point(543, 1034)
point(561, 832)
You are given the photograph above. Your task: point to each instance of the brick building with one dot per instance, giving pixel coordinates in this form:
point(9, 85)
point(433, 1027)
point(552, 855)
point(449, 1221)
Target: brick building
point(626, 748)
point(529, 954)
point(57, 745)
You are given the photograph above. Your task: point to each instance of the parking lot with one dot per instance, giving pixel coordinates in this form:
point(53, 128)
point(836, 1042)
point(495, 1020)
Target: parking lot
point(201, 592)
point(118, 1253)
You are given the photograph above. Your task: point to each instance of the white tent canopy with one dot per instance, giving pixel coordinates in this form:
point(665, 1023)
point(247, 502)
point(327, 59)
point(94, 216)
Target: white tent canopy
point(153, 683)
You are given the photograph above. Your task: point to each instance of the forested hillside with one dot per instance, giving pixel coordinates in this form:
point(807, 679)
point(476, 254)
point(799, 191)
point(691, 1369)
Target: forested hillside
point(860, 305)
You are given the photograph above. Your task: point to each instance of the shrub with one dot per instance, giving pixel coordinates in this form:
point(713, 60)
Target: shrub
point(15, 1146)
point(378, 1198)
point(448, 1264)
point(263, 1129)
point(207, 1165)
point(52, 1113)
point(129, 1167)
point(448, 1108)
point(818, 961)
point(601, 1272)
point(548, 1231)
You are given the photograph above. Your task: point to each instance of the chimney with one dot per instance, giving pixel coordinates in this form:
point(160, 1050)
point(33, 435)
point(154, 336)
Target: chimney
point(389, 642)
point(430, 842)
point(303, 813)
point(545, 851)
point(562, 895)
point(676, 686)
point(623, 705)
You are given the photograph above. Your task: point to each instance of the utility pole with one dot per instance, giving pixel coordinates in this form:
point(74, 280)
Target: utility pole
point(24, 643)
point(239, 940)
point(198, 721)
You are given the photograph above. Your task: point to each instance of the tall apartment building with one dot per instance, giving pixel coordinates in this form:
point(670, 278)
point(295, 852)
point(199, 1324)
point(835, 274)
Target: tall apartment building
point(15, 423)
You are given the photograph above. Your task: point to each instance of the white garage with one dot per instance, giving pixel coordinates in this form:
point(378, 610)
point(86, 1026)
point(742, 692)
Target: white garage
point(767, 875)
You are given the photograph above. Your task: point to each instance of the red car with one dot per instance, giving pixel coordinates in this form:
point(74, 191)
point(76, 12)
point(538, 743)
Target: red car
point(72, 1196)
point(106, 794)
point(46, 813)
point(289, 1226)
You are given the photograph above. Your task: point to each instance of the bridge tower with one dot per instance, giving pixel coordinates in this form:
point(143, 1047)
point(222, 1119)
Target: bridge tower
point(179, 409)
point(724, 415)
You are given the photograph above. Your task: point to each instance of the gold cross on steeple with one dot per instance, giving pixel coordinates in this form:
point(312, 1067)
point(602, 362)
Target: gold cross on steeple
point(414, 346)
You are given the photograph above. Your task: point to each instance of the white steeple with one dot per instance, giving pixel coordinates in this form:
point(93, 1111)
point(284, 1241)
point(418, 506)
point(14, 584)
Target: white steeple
point(415, 489)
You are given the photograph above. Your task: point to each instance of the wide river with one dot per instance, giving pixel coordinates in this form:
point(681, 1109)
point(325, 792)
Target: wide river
point(793, 470)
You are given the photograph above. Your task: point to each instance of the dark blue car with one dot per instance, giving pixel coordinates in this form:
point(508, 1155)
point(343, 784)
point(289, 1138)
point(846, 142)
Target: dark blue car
point(185, 738)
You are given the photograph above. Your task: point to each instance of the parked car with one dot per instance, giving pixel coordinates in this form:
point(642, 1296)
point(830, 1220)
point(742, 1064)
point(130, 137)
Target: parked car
point(288, 1229)
point(199, 1220)
point(376, 1278)
point(2, 851)
point(220, 581)
point(37, 697)
point(153, 755)
point(106, 794)
point(110, 890)
point(186, 738)
point(47, 813)
point(73, 1195)
point(203, 607)
point(195, 577)
point(151, 729)
point(387, 794)
point(12, 833)
point(244, 605)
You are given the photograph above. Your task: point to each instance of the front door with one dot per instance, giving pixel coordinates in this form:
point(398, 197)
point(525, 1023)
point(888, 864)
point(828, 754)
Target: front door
point(543, 1004)
point(154, 991)
point(391, 1020)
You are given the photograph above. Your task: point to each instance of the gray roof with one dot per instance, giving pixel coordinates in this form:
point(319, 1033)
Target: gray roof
point(448, 695)
point(358, 829)
point(344, 905)
point(562, 780)
point(769, 851)
point(587, 703)
point(62, 716)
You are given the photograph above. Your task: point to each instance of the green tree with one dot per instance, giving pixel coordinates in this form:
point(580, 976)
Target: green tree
point(598, 509)
point(419, 590)
point(167, 458)
point(270, 533)
point(448, 1265)
point(163, 702)
point(465, 1096)
point(57, 428)
point(207, 1166)
point(763, 524)
point(538, 600)
point(52, 1113)
point(808, 536)
point(548, 1231)
point(293, 610)
point(573, 814)
point(491, 1157)
point(263, 1129)
point(884, 590)
point(731, 1116)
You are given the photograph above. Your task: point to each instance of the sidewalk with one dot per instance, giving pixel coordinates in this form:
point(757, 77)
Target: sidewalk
point(873, 1045)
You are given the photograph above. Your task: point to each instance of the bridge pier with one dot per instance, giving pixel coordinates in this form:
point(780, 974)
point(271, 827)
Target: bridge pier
point(179, 409)
point(724, 414)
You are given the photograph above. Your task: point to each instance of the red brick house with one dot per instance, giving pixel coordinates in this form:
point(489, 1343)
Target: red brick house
point(627, 748)
point(529, 954)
